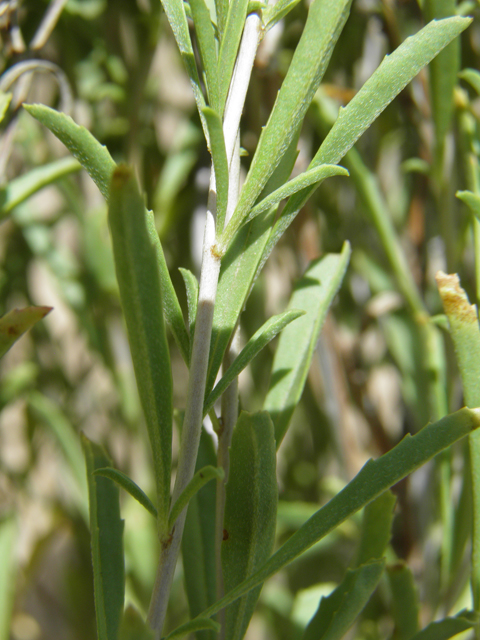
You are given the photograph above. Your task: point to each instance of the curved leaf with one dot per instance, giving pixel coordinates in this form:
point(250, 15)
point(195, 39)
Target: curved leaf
point(338, 612)
point(18, 190)
point(98, 163)
point(198, 624)
point(323, 26)
point(257, 342)
point(448, 627)
point(313, 176)
point(129, 485)
point(92, 155)
point(393, 74)
point(373, 479)
point(199, 480)
point(141, 297)
point(313, 294)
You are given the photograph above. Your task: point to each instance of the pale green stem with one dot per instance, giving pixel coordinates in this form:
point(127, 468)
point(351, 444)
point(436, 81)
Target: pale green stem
point(474, 441)
point(192, 423)
point(229, 413)
point(203, 328)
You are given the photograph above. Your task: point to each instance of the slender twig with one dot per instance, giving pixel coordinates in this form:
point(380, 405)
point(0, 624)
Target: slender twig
point(252, 33)
point(203, 327)
point(48, 23)
point(192, 423)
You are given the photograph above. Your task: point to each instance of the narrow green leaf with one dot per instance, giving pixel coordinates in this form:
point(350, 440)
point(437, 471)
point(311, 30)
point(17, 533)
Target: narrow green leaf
point(8, 539)
point(240, 268)
point(465, 332)
point(443, 72)
point(472, 76)
point(376, 528)
point(448, 627)
point(140, 293)
point(237, 273)
point(198, 542)
point(191, 287)
point(337, 613)
point(199, 480)
point(405, 605)
point(373, 479)
point(133, 626)
point(323, 26)
point(472, 200)
point(98, 163)
point(208, 48)
point(220, 164)
point(106, 530)
point(313, 176)
point(393, 74)
point(67, 437)
point(93, 156)
point(129, 485)
point(18, 190)
point(276, 12)
point(198, 624)
point(175, 12)
point(5, 99)
point(257, 342)
point(230, 41)
point(16, 322)
point(171, 306)
point(314, 294)
point(221, 10)
point(250, 513)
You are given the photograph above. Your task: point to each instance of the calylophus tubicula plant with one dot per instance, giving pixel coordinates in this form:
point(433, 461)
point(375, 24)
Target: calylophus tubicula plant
point(224, 500)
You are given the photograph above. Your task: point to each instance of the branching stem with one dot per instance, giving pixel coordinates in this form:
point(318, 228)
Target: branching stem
point(192, 423)
point(203, 328)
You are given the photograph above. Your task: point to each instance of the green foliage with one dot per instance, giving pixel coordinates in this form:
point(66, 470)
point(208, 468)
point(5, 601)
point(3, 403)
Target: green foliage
point(338, 612)
point(276, 123)
point(250, 513)
point(141, 296)
point(374, 478)
point(8, 534)
point(313, 295)
point(198, 543)
point(106, 529)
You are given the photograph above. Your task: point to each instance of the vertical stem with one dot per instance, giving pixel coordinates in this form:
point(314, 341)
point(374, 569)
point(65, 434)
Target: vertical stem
point(229, 413)
point(192, 423)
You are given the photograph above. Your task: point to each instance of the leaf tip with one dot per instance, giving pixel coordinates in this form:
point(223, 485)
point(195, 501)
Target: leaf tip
point(454, 299)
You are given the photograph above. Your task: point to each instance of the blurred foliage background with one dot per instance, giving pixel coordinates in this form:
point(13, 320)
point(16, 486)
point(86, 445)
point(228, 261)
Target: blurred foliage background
point(73, 371)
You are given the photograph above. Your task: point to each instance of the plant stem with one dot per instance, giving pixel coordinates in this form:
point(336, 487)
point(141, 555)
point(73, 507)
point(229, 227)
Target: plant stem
point(252, 33)
point(193, 419)
point(192, 423)
point(229, 413)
